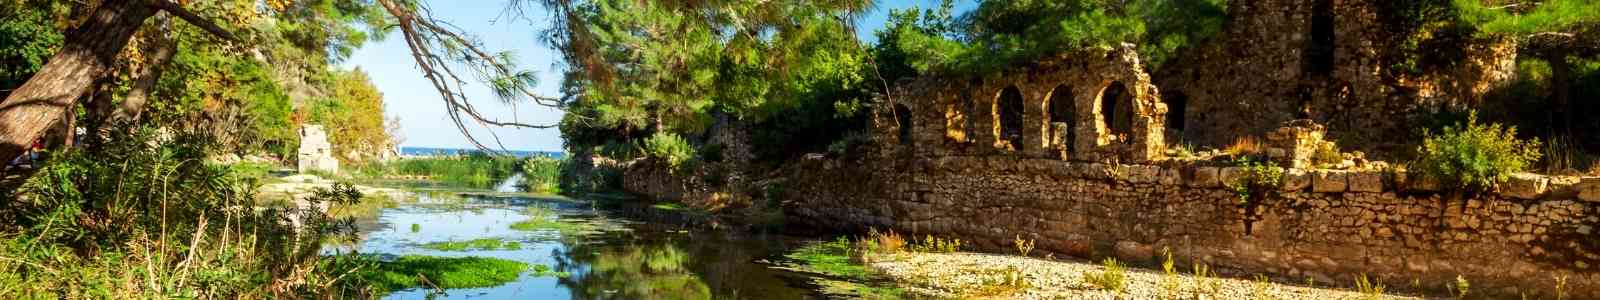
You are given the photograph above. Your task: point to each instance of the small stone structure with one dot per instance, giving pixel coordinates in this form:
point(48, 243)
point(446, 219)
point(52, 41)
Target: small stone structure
point(316, 154)
point(1294, 144)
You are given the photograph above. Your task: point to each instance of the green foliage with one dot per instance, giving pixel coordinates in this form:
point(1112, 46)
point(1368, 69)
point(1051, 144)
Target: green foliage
point(1547, 16)
point(1259, 178)
point(134, 208)
point(669, 148)
point(445, 272)
point(27, 39)
point(476, 170)
point(1002, 34)
point(1474, 157)
point(1113, 276)
point(353, 117)
point(832, 258)
point(934, 244)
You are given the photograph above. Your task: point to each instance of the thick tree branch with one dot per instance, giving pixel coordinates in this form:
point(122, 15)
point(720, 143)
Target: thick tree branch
point(193, 19)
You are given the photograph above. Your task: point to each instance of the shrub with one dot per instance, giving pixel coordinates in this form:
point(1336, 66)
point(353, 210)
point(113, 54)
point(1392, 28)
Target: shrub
point(1474, 157)
point(1113, 278)
point(1260, 178)
point(542, 175)
point(669, 147)
point(1327, 155)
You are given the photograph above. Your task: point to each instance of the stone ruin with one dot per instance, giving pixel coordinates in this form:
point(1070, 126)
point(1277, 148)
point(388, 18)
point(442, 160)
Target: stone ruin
point(316, 154)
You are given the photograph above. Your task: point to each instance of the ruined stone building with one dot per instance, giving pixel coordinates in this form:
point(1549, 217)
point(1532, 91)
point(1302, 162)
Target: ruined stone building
point(1325, 60)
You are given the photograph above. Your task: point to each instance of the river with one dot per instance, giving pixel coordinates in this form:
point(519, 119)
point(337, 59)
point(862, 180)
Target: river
point(615, 254)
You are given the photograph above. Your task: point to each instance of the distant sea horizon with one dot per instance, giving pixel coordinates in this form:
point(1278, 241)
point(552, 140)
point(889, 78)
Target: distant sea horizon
point(437, 151)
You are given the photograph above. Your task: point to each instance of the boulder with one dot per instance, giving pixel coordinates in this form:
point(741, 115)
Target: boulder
point(1589, 189)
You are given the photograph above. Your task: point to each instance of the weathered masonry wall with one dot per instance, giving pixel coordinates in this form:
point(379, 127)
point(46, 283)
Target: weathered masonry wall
point(1327, 225)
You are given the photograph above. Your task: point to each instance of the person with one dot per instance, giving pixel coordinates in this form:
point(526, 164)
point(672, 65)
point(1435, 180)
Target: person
point(33, 153)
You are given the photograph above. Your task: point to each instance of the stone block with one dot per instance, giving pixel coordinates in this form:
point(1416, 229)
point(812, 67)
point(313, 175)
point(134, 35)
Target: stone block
point(1296, 180)
point(1563, 187)
point(1168, 176)
point(1142, 173)
point(1231, 175)
point(1524, 186)
point(1329, 181)
point(1369, 181)
point(1205, 177)
point(1589, 189)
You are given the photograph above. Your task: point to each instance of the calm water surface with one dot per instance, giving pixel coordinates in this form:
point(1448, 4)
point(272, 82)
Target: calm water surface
point(624, 259)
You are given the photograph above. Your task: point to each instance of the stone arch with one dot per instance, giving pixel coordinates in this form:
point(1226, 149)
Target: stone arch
point(1008, 111)
point(1061, 118)
point(903, 121)
point(1116, 109)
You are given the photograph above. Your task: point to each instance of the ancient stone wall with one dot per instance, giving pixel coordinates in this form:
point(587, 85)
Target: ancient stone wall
point(1278, 60)
point(1326, 225)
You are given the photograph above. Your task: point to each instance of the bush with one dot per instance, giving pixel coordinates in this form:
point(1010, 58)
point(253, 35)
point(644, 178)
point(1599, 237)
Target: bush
point(542, 175)
point(1259, 178)
point(670, 148)
point(1474, 157)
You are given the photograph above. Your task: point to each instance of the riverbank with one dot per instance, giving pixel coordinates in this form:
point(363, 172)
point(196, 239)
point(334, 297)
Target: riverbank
point(985, 276)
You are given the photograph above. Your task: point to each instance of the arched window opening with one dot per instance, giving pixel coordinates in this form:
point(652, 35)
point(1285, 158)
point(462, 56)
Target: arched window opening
point(1177, 107)
point(969, 108)
point(1116, 109)
point(1009, 114)
point(1320, 48)
point(902, 116)
point(1062, 117)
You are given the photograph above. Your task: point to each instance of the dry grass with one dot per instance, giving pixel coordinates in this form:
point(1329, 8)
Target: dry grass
point(1244, 145)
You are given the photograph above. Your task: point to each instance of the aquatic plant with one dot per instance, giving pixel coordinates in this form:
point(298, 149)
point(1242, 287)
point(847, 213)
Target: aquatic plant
point(443, 272)
point(541, 218)
point(475, 244)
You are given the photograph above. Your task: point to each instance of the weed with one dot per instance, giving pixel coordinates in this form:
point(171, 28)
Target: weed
point(832, 258)
point(937, 245)
point(1023, 246)
point(1170, 284)
point(1261, 288)
point(542, 218)
point(1561, 287)
point(999, 282)
point(1369, 289)
point(542, 270)
point(1459, 288)
point(882, 242)
point(1113, 276)
point(1204, 283)
point(1327, 155)
point(416, 227)
point(1244, 146)
point(1259, 179)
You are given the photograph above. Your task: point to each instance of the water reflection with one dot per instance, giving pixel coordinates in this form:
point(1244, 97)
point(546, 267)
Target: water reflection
point(617, 259)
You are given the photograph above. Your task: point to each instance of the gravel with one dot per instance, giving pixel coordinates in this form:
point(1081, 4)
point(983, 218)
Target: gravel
point(975, 275)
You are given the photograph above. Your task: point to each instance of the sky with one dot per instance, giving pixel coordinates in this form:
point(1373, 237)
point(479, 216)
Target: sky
point(423, 119)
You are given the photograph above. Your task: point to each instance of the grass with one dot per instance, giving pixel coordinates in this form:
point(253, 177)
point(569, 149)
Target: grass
point(444, 272)
point(1244, 146)
point(471, 171)
point(1369, 289)
point(832, 258)
point(542, 218)
point(476, 244)
point(1023, 246)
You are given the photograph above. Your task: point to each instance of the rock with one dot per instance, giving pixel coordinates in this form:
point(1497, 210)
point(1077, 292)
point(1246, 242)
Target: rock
point(1524, 186)
point(316, 154)
point(1134, 252)
point(1295, 180)
point(1365, 181)
point(1205, 177)
point(1563, 187)
point(1589, 189)
point(1231, 175)
point(1329, 181)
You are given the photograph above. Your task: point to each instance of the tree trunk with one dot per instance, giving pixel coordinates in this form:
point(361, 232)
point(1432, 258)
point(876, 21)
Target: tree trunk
point(87, 56)
point(1561, 94)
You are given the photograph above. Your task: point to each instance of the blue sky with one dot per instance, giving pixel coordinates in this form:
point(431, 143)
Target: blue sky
point(408, 96)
